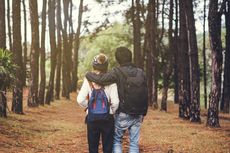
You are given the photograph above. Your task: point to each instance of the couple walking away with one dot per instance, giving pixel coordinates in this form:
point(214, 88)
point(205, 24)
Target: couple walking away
point(115, 101)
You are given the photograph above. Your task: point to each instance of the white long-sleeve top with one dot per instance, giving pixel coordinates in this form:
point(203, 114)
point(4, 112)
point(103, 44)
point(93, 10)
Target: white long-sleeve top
point(110, 91)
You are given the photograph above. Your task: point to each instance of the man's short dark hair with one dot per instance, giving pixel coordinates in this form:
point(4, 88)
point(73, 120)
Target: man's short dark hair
point(123, 55)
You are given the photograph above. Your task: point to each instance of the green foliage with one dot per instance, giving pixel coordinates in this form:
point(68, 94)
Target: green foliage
point(7, 69)
point(103, 42)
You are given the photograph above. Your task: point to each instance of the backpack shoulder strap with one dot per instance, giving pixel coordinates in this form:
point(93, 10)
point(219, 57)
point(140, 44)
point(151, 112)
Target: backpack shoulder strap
point(122, 72)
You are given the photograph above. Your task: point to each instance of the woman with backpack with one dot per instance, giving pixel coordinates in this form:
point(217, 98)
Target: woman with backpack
point(101, 102)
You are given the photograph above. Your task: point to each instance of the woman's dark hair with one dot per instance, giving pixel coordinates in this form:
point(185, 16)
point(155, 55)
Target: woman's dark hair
point(100, 63)
point(123, 55)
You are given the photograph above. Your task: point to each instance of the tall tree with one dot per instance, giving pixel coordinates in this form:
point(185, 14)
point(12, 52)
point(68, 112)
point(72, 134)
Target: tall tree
point(42, 86)
point(194, 113)
point(2, 46)
point(214, 23)
point(204, 57)
point(226, 85)
point(76, 47)
point(183, 60)
point(66, 53)
point(149, 46)
point(59, 50)
point(52, 35)
point(2, 25)
point(17, 104)
point(34, 55)
point(24, 44)
point(167, 57)
point(137, 32)
point(175, 58)
point(9, 25)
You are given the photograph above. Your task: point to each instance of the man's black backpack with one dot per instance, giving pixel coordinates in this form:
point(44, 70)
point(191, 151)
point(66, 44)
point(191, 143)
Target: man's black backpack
point(135, 95)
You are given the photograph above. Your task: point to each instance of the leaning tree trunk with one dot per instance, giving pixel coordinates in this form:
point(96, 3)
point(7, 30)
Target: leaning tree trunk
point(226, 84)
point(214, 22)
point(168, 61)
point(59, 50)
point(183, 60)
point(24, 44)
point(42, 85)
point(17, 105)
point(76, 48)
point(2, 25)
point(9, 25)
point(51, 18)
point(34, 55)
point(194, 112)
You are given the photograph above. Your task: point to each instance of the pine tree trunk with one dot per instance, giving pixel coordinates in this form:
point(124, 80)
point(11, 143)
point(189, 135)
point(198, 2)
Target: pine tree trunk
point(42, 85)
point(24, 45)
point(2, 25)
point(194, 113)
point(3, 102)
point(70, 44)
point(34, 55)
point(183, 60)
point(214, 22)
point(9, 25)
point(137, 33)
point(168, 61)
point(175, 54)
point(204, 58)
point(59, 50)
point(51, 19)
point(76, 47)
point(226, 84)
point(17, 105)
point(149, 46)
point(66, 54)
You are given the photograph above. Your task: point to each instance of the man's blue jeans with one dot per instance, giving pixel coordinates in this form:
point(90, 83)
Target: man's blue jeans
point(124, 122)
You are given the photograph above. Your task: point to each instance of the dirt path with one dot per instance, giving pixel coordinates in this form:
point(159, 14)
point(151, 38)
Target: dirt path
point(60, 128)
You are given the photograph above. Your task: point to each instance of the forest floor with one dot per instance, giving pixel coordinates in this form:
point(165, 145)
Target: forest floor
point(60, 128)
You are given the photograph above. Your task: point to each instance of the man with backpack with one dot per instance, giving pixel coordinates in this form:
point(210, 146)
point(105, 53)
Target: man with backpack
point(133, 95)
point(101, 102)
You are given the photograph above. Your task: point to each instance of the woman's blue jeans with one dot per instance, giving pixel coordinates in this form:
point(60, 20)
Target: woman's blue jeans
point(132, 123)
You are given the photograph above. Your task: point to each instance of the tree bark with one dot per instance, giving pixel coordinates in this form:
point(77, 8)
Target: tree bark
point(42, 85)
point(226, 84)
point(204, 58)
point(3, 102)
point(194, 113)
point(214, 22)
point(34, 55)
point(175, 54)
point(59, 50)
point(51, 19)
point(168, 61)
point(76, 48)
point(183, 60)
point(2, 25)
point(137, 33)
point(9, 25)
point(66, 54)
point(24, 45)
point(150, 47)
point(17, 105)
